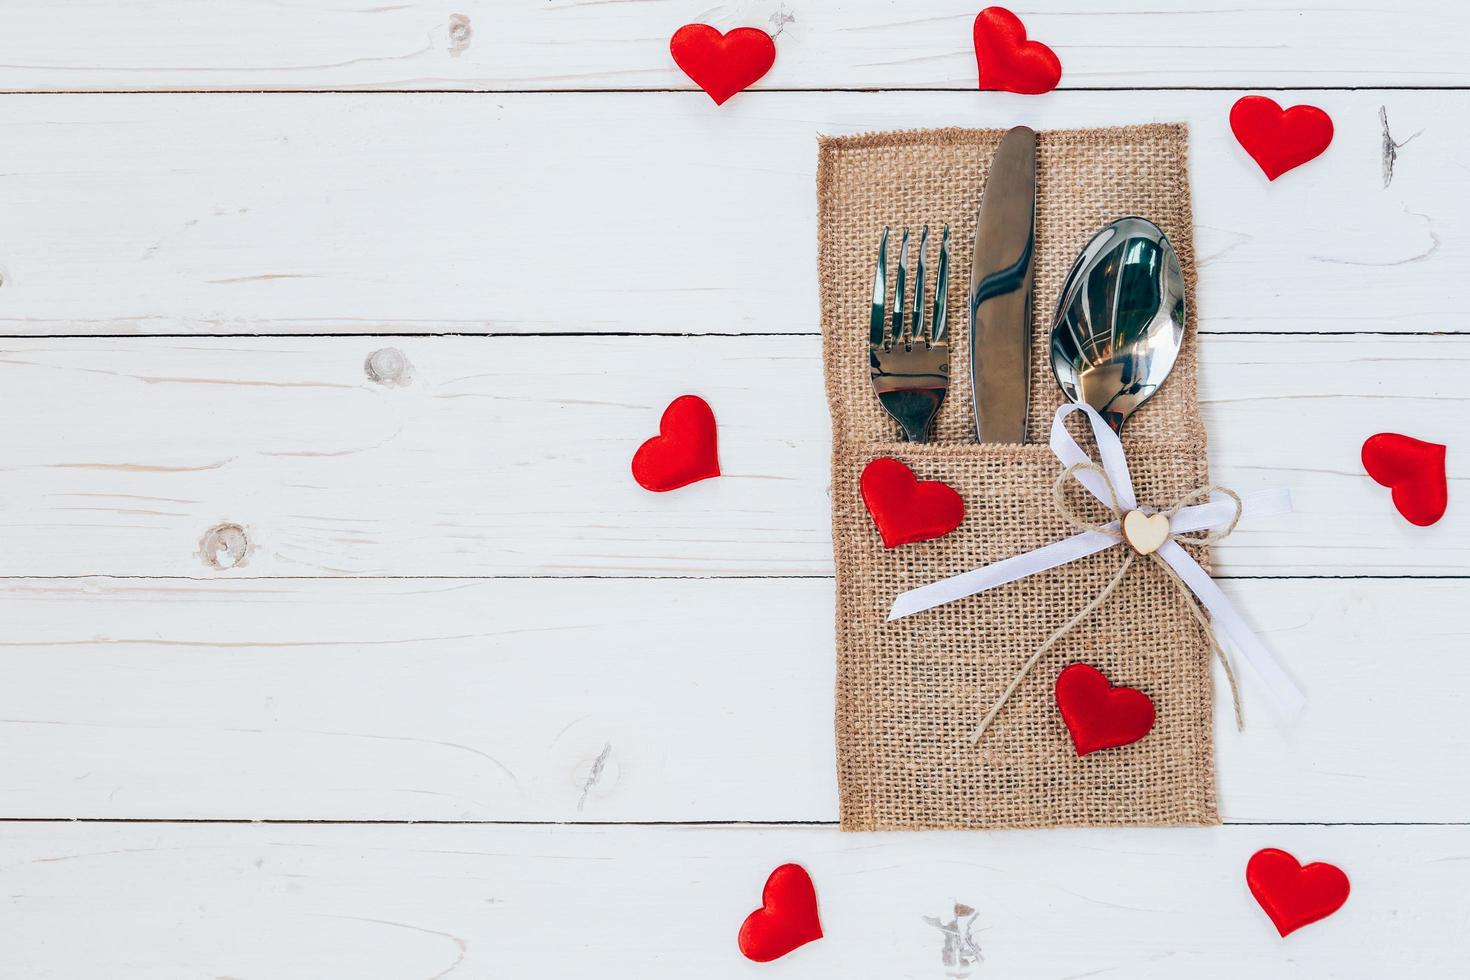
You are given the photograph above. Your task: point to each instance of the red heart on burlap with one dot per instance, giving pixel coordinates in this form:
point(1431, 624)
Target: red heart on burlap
point(1279, 139)
point(722, 64)
point(1099, 715)
point(1414, 470)
point(1008, 62)
point(786, 919)
point(683, 452)
point(1292, 895)
point(906, 509)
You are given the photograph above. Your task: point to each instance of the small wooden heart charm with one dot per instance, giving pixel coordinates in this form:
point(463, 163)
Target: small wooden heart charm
point(1146, 532)
point(1293, 895)
point(786, 919)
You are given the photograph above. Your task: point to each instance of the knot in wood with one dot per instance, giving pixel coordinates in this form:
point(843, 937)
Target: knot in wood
point(388, 367)
point(224, 546)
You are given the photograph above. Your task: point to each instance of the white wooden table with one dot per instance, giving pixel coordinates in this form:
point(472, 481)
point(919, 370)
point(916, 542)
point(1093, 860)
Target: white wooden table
point(337, 641)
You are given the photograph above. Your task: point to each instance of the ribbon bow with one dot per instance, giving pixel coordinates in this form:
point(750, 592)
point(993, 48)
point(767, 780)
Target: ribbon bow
point(1111, 484)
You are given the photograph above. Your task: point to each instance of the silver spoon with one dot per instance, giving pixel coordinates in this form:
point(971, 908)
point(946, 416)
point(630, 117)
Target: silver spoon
point(1120, 320)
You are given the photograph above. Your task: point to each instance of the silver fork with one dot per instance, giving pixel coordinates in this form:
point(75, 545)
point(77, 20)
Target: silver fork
point(908, 357)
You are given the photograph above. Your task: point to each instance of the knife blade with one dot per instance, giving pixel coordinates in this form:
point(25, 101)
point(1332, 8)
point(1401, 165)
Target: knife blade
point(1000, 291)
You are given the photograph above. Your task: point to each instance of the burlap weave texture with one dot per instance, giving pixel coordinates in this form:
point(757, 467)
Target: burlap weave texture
point(909, 693)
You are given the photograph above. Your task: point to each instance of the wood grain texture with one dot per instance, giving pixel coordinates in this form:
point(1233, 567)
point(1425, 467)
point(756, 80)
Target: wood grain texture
point(572, 44)
point(278, 687)
point(613, 700)
point(510, 456)
point(393, 902)
point(651, 213)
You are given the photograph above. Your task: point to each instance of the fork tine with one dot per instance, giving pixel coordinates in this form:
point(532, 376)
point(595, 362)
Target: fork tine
point(920, 320)
point(880, 287)
point(941, 292)
point(900, 287)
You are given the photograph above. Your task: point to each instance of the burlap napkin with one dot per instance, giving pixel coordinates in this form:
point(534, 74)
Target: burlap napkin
point(909, 693)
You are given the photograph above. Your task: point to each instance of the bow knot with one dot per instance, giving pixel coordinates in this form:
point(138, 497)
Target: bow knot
point(1115, 529)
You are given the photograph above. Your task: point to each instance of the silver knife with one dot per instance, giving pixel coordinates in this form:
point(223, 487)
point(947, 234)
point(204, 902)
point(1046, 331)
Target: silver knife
point(1000, 291)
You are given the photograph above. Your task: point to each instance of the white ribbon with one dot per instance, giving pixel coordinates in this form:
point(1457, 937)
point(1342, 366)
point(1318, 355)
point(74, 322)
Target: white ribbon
point(1230, 629)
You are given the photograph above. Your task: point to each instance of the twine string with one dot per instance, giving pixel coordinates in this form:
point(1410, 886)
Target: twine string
point(1113, 529)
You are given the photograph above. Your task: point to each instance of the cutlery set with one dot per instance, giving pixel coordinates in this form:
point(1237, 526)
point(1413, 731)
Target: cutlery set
point(1116, 335)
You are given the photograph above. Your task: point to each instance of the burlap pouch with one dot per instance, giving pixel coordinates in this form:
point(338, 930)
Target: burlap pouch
point(909, 693)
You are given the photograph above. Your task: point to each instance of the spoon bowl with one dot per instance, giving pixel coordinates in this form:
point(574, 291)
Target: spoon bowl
point(1120, 320)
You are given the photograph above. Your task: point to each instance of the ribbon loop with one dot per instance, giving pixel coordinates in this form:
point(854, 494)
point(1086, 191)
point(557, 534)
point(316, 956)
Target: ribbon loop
point(1114, 463)
point(1211, 536)
point(1059, 497)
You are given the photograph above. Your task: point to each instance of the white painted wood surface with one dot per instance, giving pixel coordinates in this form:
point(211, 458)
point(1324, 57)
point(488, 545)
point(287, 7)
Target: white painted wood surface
point(474, 901)
point(614, 700)
point(509, 456)
point(572, 44)
point(643, 213)
point(446, 601)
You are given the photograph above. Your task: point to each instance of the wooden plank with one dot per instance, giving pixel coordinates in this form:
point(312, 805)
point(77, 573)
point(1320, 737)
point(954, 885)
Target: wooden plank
point(483, 213)
point(564, 44)
point(612, 700)
point(509, 456)
point(303, 902)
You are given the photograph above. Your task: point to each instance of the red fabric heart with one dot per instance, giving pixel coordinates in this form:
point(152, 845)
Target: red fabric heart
point(786, 919)
point(1414, 470)
point(1099, 715)
point(1279, 140)
point(1292, 895)
point(683, 452)
point(722, 64)
point(905, 509)
point(1007, 61)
